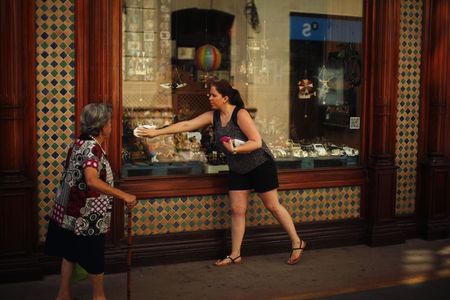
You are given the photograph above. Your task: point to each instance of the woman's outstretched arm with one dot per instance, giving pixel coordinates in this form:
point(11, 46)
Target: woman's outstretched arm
point(183, 126)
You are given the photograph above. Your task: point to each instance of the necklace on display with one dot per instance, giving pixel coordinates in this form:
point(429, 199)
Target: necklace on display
point(103, 150)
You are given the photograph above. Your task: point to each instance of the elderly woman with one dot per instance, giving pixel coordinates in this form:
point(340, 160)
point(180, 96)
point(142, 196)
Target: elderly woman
point(81, 213)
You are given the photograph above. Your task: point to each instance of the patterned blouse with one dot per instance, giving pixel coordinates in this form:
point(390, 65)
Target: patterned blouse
point(77, 207)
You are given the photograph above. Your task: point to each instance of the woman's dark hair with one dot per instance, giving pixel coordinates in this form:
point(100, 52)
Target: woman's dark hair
point(225, 89)
point(94, 117)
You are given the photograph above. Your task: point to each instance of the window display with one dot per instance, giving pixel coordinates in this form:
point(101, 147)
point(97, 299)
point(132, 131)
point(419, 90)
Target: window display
point(298, 68)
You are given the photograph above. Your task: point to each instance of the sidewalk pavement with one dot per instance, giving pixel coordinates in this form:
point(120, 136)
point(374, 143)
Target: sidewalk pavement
point(323, 273)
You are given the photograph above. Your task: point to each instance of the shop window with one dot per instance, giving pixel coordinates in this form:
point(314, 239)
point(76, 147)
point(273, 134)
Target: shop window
point(325, 106)
point(297, 66)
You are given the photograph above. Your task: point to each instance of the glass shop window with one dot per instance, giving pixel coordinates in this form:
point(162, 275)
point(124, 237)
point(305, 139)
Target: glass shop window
point(298, 68)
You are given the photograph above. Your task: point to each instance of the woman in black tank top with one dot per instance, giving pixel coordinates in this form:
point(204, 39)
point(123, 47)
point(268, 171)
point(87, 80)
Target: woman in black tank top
point(251, 164)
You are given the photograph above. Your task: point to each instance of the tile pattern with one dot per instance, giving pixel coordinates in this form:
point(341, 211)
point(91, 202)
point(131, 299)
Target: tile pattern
point(184, 214)
point(408, 105)
point(55, 90)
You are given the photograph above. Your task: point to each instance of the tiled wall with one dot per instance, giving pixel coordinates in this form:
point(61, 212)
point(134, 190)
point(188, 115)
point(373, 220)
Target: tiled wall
point(408, 104)
point(181, 214)
point(55, 90)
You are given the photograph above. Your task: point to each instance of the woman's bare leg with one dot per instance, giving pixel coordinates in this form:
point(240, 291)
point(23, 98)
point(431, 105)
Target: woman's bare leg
point(238, 203)
point(64, 284)
point(271, 202)
point(98, 293)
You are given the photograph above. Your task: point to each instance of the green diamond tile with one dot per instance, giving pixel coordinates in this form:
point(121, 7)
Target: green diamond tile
point(49, 61)
point(407, 117)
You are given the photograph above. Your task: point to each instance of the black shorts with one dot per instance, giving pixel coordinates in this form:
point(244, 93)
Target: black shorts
point(262, 179)
point(87, 251)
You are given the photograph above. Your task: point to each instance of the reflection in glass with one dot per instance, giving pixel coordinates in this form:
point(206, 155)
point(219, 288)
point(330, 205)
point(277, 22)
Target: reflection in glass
point(297, 66)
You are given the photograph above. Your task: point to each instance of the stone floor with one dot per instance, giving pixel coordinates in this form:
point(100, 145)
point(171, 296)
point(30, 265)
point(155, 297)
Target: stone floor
point(356, 272)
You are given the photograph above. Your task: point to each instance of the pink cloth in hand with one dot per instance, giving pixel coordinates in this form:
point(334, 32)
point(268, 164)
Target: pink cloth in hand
point(225, 139)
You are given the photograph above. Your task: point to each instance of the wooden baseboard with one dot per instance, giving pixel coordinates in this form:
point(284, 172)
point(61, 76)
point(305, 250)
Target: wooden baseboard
point(410, 226)
point(22, 268)
point(386, 233)
point(436, 228)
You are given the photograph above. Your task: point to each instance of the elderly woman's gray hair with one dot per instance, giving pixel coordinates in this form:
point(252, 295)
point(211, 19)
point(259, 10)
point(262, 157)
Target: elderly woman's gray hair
point(94, 117)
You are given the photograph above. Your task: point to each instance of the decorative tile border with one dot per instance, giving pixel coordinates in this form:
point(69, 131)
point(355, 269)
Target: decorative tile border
point(408, 105)
point(187, 214)
point(55, 90)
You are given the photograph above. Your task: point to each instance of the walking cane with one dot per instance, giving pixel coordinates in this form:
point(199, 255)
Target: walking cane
point(129, 255)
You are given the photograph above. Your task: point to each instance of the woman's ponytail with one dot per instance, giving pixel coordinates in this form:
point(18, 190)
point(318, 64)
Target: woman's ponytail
point(236, 99)
point(225, 89)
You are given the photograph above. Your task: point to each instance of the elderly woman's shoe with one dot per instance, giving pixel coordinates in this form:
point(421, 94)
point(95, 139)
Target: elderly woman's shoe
point(228, 261)
point(294, 261)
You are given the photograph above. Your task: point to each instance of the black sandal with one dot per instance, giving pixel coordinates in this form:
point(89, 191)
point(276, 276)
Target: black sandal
point(232, 261)
point(294, 261)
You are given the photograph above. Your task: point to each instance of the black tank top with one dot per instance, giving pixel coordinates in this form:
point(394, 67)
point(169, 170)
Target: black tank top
point(239, 163)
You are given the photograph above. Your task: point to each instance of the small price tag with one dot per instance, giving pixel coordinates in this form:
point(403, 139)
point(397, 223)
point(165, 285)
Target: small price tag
point(354, 122)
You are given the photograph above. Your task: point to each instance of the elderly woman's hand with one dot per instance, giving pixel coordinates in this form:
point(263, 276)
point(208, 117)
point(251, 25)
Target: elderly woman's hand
point(130, 200)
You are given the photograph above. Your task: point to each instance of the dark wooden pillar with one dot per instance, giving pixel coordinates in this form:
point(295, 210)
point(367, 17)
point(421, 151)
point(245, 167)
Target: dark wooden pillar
point(98, 46)
point(434, 202)
point(18, 230)
point(382, 33)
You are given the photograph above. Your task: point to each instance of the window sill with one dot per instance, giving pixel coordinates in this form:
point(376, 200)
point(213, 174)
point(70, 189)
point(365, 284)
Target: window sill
point(146, 187)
